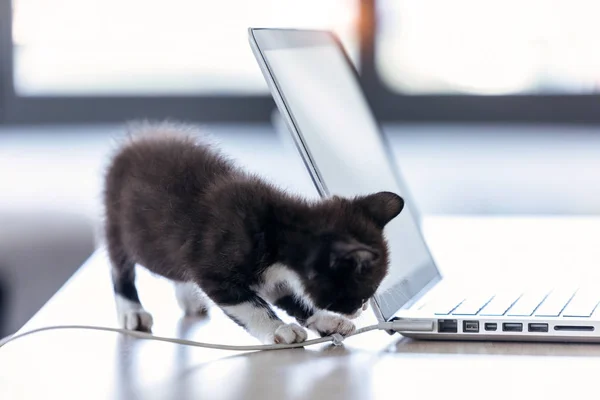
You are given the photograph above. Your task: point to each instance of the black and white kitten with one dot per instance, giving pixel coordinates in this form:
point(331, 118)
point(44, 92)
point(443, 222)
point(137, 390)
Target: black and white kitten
point(183, 211)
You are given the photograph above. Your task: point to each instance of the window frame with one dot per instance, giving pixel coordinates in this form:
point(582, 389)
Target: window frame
point(83, 109)
point(5, 53)
point(389, 106)
point(393, 106)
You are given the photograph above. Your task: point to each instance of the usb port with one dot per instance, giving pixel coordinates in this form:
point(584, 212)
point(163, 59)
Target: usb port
point(491, 326)
point(447, 325)
point(470, 326)
point(512, 327)
point(537, 327)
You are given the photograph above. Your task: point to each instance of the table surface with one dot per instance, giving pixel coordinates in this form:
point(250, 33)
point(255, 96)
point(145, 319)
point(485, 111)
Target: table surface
point(100, 365)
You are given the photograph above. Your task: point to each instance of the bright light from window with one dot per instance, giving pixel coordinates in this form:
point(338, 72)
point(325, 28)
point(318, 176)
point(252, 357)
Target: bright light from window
point(489, 47)
point(153, 47)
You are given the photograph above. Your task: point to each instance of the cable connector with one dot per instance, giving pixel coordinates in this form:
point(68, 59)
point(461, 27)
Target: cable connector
point(407, 325)
point(337, 339)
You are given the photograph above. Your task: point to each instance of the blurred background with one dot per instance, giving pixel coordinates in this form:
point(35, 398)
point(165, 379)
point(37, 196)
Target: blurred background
point(492, 107)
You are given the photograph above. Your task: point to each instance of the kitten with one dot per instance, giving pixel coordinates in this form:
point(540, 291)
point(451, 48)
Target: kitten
point(185, 212)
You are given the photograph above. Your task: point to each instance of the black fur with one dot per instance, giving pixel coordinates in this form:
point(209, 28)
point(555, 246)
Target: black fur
point(294, 307)
point(234, 319)
point(182, 210)
point(126, 288)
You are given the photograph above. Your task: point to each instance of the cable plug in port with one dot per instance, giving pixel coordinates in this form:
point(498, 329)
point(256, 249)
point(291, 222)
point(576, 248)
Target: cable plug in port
point(537, 327)
point(491, 326)
point(471, 326)
point(447, 325)
point(512, 327)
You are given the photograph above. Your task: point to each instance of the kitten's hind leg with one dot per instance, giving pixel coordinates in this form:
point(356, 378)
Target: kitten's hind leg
point(191, 299)
point(130, 312)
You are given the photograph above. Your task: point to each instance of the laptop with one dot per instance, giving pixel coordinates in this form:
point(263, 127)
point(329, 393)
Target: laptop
point(318, 94)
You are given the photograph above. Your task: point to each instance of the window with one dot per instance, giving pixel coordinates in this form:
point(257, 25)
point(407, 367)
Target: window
point(155, 47)
point(420, 60)
point(483, 47)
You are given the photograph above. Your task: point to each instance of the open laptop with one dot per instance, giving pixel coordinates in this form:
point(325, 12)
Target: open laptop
point(317, 92)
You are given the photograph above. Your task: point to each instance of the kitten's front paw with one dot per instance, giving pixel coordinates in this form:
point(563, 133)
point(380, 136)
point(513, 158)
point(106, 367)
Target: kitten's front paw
point(326, 323)
point(289, 333)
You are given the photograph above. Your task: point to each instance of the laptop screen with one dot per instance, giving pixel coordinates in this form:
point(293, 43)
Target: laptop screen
point(345, 147)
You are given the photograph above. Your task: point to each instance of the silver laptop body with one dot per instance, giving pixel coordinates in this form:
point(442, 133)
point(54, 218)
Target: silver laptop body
point(318, 94)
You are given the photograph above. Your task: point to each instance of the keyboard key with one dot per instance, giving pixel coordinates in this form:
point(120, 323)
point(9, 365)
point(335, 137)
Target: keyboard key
point(447, 308)
point(500, 303)
point(582, 304)
point(527, 304)
point(555, 303)
point(472, 304)
point(443, 305)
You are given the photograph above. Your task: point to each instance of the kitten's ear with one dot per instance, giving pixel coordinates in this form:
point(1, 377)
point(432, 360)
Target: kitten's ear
point(382, 206)
point(352, 254)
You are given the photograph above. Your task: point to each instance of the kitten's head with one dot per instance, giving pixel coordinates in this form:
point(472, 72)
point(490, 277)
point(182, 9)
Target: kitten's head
point(348, 258)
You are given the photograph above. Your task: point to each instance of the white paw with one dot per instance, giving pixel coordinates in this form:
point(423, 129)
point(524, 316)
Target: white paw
point(326, 323)
point(137, 320)
point(132, 315)
point(190, 298)
point(289, 333)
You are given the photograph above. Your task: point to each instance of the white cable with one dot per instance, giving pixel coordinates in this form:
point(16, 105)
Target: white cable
point(336, 338)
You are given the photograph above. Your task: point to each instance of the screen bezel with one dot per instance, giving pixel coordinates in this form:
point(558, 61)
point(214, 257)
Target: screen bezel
point(262, 39)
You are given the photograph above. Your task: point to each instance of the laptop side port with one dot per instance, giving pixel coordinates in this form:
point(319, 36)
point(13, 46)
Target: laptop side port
point(512, 327)
point(537, 327)
point(491, 326)
point(447, 326)
point(573, 328)
point(471, 326)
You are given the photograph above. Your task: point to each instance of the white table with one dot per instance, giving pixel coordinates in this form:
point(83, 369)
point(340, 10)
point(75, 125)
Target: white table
point(97, 365)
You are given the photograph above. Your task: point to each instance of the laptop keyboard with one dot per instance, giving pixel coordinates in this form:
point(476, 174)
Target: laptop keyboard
point(582, 304)
point(540, 303)
point(527, 304)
